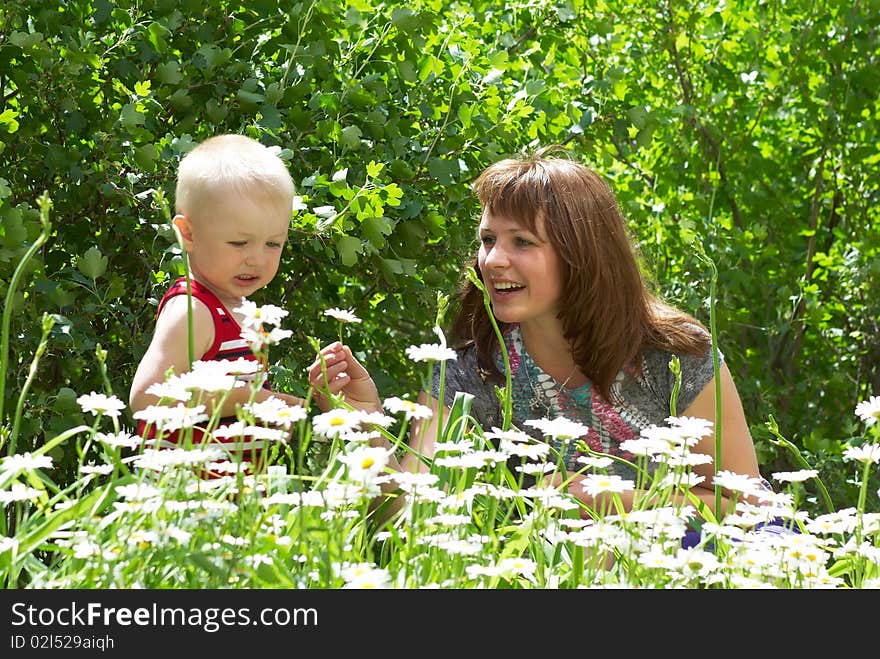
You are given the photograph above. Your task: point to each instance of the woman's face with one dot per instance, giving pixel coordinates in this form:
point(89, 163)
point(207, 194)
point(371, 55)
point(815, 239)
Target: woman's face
point(521, 271)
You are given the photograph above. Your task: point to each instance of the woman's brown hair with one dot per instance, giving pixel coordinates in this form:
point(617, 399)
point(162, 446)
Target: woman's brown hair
point(608, 314)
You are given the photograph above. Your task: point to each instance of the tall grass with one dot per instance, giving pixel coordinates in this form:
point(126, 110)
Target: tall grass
point(139, 517)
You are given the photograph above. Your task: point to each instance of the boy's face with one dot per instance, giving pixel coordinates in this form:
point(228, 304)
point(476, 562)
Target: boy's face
point(235, 245)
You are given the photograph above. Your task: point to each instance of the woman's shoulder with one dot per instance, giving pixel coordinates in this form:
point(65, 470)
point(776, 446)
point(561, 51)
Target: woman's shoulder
point(465, 361)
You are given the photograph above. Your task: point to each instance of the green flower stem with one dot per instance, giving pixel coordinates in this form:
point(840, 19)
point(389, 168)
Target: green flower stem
point(442, 306)
point(159, 197)
point(773, 427)
point(48, 324)
point(716, 361)
point(45, 204)
point(506, 397)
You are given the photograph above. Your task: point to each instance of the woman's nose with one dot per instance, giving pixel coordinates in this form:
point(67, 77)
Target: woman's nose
point(496, 256)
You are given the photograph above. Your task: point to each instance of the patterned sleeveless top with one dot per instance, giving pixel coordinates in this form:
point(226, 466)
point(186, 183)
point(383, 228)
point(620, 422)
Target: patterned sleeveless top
point(640, 397)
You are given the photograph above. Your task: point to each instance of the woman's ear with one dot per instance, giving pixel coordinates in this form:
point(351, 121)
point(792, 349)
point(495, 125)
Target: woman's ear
point(183, 229)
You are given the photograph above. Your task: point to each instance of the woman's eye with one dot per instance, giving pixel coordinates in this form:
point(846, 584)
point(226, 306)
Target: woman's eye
point(487, 240)
point(522, 242)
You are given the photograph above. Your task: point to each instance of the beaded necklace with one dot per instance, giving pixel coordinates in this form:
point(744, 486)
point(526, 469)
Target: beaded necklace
point(547, 391)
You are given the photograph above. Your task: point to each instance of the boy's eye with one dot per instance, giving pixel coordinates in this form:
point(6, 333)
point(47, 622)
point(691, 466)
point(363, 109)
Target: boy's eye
point(238, 243)
point(274, 245)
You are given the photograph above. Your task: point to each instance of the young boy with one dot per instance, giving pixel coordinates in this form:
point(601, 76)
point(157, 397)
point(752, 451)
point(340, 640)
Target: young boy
point(233, 207)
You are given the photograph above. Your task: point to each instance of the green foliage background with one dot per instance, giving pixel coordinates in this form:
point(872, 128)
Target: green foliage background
point(748, 126)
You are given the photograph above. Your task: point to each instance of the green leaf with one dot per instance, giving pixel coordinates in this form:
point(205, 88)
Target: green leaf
point(373, 168)
point(407, 71)
point(443, 170)
point(25, 40)
point(61, 297)
point(92, 264)
point(157, 35)
point(404, 19)
point(349, 248)
point(376, 228)
point(7, 119)
point(181, 100)
point(214, 56)
point(145, 157)
point(13, 227)
point(216, 111)
point(142, 88)
point(249, 99)
point(130, 117)
point(390, 268)
point(169, 73)
point(350, 137)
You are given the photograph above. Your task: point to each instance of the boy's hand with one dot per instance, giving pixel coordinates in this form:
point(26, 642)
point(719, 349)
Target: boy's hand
point(342, 373)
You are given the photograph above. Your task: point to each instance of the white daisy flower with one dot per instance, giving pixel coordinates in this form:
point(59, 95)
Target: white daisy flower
point(227, 467)
point(366, 576)
point(512, 435)
point(256, 317)
point(691, 426)
point(597, 462)
point(437, 352)
point(335, 422)
point(411, 409)
point(161, 459)
point(535, 469)
point(138, 492)
point(101, 404)
point(275, 411)
point(366, 462)
point(179, 387)
point(430, 352)
point(25, 462)
point(342, 315)
point(172, 418)
point(559, 428)
point(738, 482)
point(865, 453)
point(594, 484)
point(90, 468)
point(869, 410)
point(18, 492)
point(119, 440)
point(259, 337)
point(795, 476)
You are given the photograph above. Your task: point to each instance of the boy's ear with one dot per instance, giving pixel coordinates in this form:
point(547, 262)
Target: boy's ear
point(183, 229)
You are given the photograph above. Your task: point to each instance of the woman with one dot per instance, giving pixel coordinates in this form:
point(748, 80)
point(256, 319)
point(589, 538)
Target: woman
point(586, 339)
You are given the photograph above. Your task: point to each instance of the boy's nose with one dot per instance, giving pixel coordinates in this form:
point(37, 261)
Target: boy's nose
point(254, 257)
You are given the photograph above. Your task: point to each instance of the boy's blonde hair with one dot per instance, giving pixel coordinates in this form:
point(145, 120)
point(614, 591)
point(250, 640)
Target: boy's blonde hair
point(231, 163)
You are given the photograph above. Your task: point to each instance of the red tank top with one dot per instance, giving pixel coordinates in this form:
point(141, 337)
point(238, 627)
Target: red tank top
point(227, 344)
